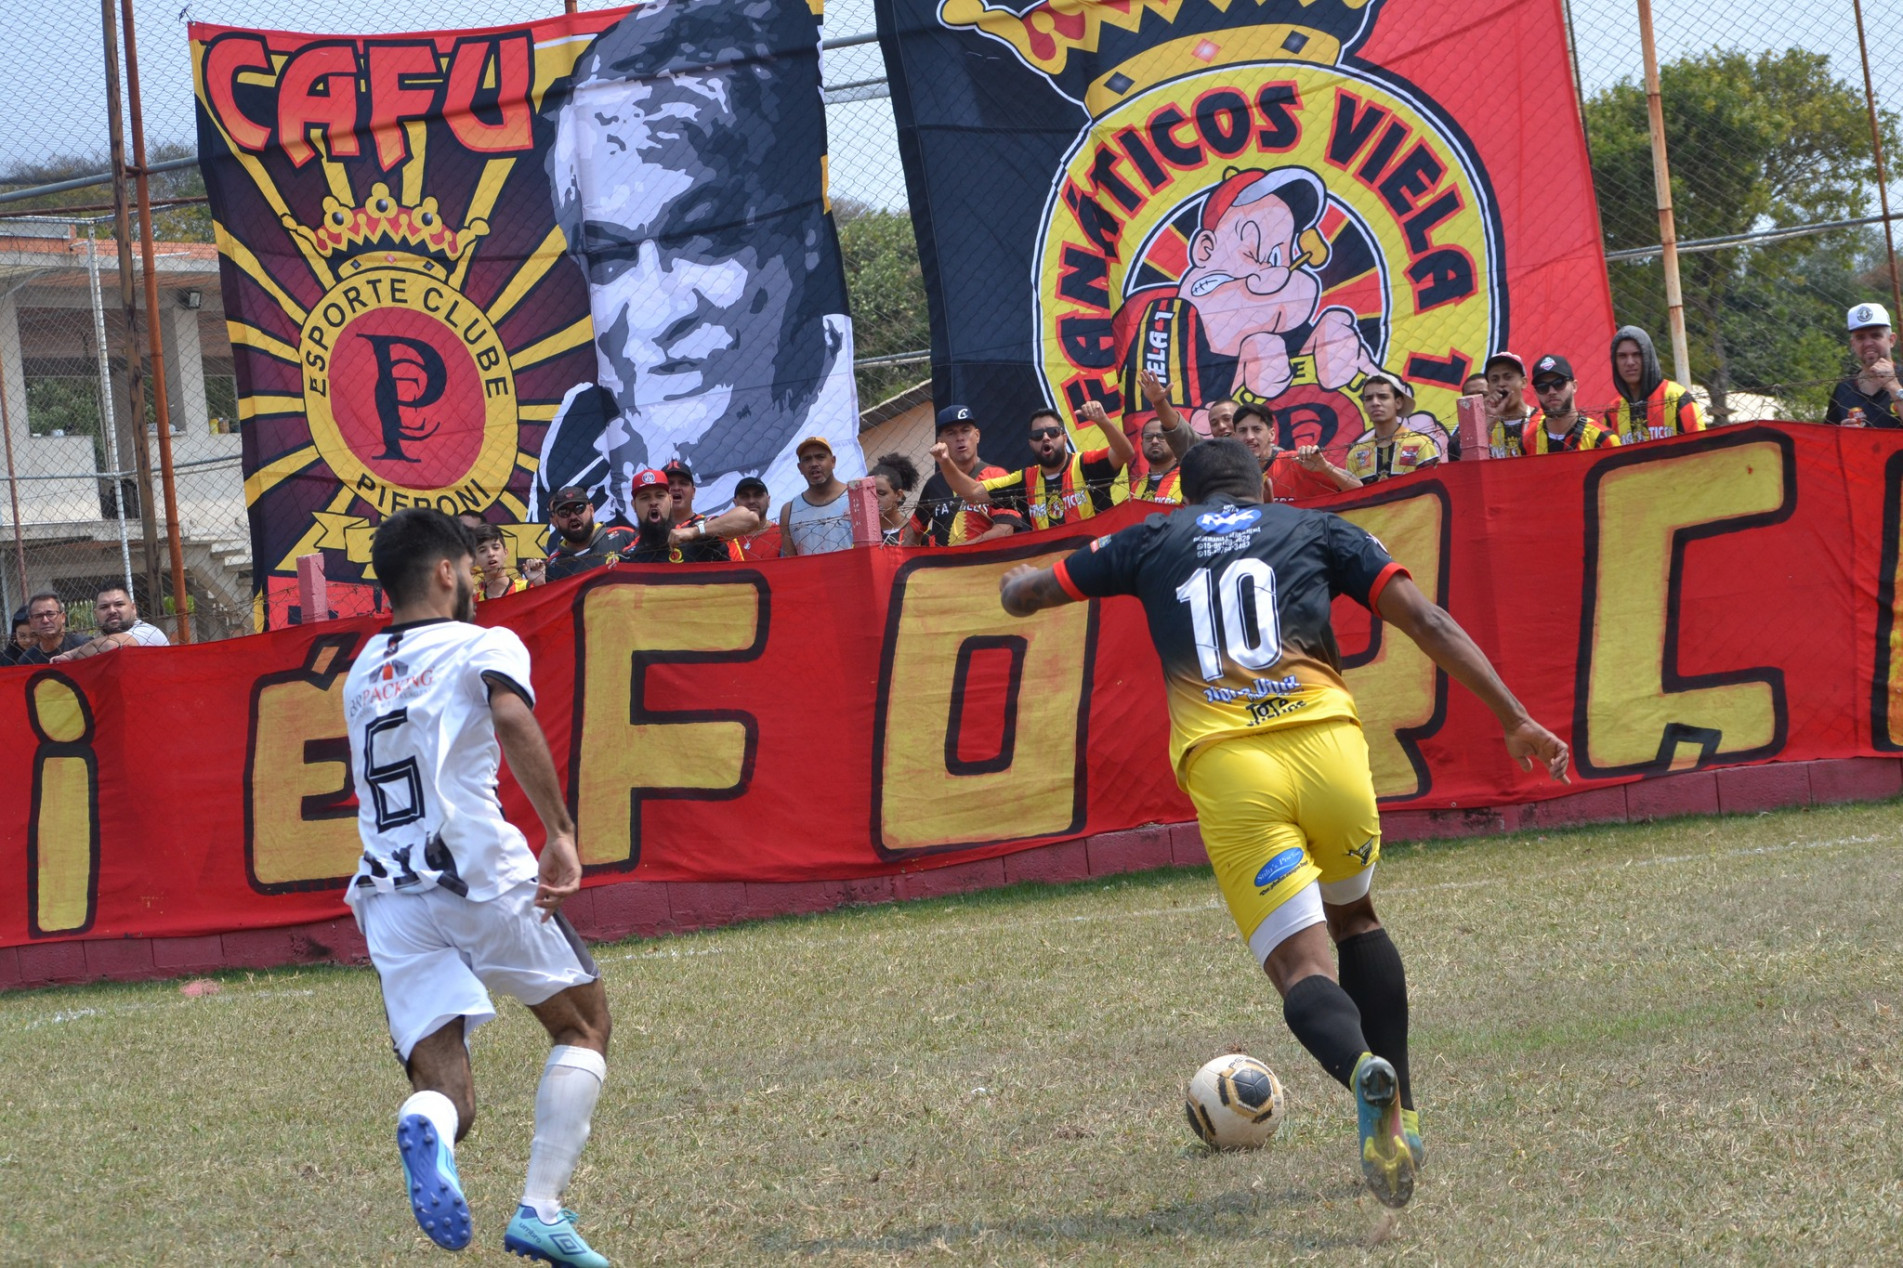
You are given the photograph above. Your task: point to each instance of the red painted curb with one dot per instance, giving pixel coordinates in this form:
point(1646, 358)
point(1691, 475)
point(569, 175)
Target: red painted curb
point(646, 908)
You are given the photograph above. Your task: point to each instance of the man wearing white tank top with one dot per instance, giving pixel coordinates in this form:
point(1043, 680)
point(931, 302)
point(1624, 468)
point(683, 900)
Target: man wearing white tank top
point(816, 521)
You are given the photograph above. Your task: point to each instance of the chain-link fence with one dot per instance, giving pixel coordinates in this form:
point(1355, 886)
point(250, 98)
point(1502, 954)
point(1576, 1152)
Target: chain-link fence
point(1773, 178)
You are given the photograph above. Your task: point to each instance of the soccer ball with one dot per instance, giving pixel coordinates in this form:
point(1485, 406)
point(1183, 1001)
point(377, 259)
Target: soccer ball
point(1235, 1102)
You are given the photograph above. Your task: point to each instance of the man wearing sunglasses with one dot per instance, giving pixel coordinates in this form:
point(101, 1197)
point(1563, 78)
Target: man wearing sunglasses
point(579, 543)
point(1062, 487)
point(1561, 425)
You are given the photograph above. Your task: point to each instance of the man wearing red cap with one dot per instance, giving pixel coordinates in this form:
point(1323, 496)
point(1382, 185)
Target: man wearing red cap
point(1246, 319)
point(659, 540)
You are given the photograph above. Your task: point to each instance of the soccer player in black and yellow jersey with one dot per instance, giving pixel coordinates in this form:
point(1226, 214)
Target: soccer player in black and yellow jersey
point(1266, 742)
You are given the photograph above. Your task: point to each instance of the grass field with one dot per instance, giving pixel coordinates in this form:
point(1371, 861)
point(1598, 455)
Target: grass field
point(1661, 1043)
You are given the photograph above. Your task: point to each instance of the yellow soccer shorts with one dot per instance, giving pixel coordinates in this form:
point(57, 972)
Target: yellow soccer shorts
point(1289, 821)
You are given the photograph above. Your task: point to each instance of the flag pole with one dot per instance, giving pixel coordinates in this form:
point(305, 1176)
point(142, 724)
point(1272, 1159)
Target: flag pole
point(1662, 184)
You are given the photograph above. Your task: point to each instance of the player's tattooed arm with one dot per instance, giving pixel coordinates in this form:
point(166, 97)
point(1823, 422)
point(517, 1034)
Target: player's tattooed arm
point(523, 744)
point(1402, 605)
point(1028, 588)
point(961, 484)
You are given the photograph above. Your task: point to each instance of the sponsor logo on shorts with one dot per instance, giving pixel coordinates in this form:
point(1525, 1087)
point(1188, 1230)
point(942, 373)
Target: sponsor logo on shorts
point(1364, 852)
point(1278, 869)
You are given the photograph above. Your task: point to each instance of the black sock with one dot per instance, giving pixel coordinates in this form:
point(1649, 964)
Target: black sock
point(1320, 1014)
point(1372, 975)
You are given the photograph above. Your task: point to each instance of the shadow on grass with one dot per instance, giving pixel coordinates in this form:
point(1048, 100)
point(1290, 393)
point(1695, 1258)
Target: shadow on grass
point(1231, 1216)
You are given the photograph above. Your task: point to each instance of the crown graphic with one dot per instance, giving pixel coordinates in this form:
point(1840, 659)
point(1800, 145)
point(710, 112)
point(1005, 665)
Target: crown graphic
point(1100, 52)
point(383, 221)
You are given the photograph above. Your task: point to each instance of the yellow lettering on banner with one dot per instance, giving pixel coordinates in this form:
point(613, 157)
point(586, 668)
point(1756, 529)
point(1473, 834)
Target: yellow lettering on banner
point(1399, 692)
point(1635, 712)
point(300, 816)
point(63, 833)
point(626, 753)
point(942, 611)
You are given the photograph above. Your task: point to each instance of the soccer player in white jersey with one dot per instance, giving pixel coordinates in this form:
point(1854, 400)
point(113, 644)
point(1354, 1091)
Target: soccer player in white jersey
point(448, 895)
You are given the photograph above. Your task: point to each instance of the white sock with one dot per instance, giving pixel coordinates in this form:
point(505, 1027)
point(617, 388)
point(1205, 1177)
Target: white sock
point(564, 1104)
point(439, 1109)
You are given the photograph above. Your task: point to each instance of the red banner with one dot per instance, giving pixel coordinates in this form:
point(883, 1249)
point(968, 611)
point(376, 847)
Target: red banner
point(1718, 599)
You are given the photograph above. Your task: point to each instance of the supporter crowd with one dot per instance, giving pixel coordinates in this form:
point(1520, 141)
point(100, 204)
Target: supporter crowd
point(1522, 410)
point(967, 499)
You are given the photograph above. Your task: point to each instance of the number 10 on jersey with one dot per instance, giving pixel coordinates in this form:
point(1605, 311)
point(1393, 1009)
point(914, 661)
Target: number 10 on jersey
point(1251, 628)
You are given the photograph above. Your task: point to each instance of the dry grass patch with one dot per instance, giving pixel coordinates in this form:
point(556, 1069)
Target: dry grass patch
point(1661, 1043)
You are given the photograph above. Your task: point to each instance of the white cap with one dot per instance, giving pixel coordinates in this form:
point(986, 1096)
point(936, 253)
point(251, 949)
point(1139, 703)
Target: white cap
point(1868, 315)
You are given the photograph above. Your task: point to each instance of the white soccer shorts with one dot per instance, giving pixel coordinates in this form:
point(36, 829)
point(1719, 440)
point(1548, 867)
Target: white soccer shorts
point(439, 955)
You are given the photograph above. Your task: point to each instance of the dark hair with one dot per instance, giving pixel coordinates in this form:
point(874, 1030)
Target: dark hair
point(1252, 410)
point(1046, 412)
point(480, 533)
point(114, 587)
point(1221, 469)
point(19, 619)
point(898, 469)
point(409, 544)
point(43, 595)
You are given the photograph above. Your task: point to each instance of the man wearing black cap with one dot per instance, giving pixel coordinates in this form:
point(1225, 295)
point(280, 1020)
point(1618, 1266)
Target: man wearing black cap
point(681, 488)
point(753, 494)
point(1562, 427)
point(942, 518)
point(580, 543)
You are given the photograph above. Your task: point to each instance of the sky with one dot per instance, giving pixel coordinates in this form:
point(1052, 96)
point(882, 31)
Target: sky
point(43, 115)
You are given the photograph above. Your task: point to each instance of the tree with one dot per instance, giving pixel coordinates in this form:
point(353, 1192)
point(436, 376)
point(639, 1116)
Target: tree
point(188, 223)
point(1756, 142)
point(888, 296)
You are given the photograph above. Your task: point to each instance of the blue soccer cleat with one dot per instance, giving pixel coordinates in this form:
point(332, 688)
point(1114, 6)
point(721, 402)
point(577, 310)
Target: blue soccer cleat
point(1387, 1164)
point(436, 1191)
point(556, 1243)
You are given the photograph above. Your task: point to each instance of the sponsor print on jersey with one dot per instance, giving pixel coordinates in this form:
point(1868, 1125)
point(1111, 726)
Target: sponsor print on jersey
point(1234, 519)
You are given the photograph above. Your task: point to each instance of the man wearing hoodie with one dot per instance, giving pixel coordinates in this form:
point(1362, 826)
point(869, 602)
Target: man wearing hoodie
point(1651, 406)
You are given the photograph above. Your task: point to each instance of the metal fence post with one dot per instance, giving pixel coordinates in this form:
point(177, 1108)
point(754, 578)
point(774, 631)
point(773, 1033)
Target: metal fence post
point(181, 597)
point(107, 415)
point(129, 304)
point(1662, 181)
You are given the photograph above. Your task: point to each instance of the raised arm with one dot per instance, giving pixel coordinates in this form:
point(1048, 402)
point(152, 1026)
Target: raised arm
point(1177, 434)
point(523, 744)
point(1121, 450)
point(1402, 605)
point(1028, 588)
point(963, 485)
